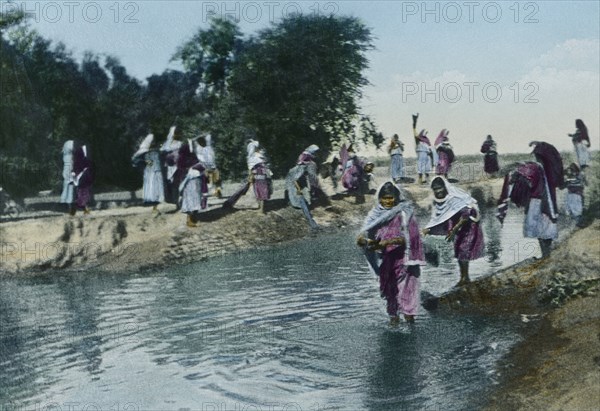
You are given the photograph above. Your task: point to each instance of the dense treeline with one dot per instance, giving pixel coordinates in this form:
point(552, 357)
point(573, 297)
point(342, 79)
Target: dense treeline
point(291, 85)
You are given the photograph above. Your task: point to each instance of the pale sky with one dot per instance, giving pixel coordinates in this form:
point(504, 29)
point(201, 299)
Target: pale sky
point(517, 70)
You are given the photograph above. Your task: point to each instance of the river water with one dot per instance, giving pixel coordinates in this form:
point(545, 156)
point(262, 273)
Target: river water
point(295, 327)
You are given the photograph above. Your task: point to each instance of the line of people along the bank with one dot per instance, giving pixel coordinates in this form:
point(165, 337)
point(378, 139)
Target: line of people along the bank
point(182, 173)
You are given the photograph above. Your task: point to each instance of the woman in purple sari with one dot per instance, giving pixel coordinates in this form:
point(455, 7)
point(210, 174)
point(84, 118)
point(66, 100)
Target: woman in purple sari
point(83, 177)
point(392, 244)
point(455, 215)
point(445, 153)
point(259, 175)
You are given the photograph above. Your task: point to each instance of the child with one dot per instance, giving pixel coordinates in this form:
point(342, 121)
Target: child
point(574, 199)
point(393, 248)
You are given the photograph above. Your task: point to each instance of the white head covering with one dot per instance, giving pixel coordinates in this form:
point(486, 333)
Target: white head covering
point(171, 144)
point(312, 149)
point(68, 146)
point(380, 214)
point(251, 147)
point(145, 145)
point(456, 199)
point(255, 156)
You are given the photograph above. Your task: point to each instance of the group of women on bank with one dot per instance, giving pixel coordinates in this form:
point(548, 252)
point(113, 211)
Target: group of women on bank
point(391, 239)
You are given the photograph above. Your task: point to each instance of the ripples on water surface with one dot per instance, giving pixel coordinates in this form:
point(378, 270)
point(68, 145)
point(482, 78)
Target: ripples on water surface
point(300, 326)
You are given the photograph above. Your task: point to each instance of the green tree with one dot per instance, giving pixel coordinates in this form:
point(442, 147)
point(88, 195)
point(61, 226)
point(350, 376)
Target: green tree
point(209, 54)
point(299, 83)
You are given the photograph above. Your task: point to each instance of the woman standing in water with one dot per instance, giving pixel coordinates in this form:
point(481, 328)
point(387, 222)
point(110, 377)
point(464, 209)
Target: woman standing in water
point(393, 248)
point(455, 215)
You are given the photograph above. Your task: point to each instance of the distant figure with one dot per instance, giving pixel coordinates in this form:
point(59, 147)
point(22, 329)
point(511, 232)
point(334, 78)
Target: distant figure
point(83, 177)
point(445, 154)
point(355, 178)
point(206, 155)
point(393, 248)
point(169, 153)
point(425, 154)
point(193, 187)
point(574, 198)
point(455, 214)
point(490, 160)
point(259, 175)
point(581, 142)
point(68, 192)
point(149, 157)
point(396, 151)
point(533, 186)
point(302, 184)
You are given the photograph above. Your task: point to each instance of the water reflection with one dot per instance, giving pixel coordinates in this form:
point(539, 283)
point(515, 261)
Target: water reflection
point(81, 324)
point(303, 324)
point(492, 231)
point(395, 380)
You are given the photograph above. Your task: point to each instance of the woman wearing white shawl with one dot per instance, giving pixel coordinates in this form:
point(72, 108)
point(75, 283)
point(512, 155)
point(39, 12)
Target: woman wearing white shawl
point(68, 193)
point(154, 192)
point(193, 188)
point(206, 155)
point(392, 245)
point(455, 215)
point(259, 175)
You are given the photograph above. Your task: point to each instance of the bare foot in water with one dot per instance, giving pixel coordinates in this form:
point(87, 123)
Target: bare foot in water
point(409, 318)
point(395, 320)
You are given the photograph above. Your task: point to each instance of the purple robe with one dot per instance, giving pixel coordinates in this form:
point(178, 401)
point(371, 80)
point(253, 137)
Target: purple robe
point(445, 215)
point(528, 187)
point(399, 269)
point(490, 160)
point(82, 167)
point(445, 159)
point(354, 174)
point(262, 183)
point(551, 160)
point(468, 241)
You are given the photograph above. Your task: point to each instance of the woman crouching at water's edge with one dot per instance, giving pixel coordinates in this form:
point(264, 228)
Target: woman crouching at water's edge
point(392, 244)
